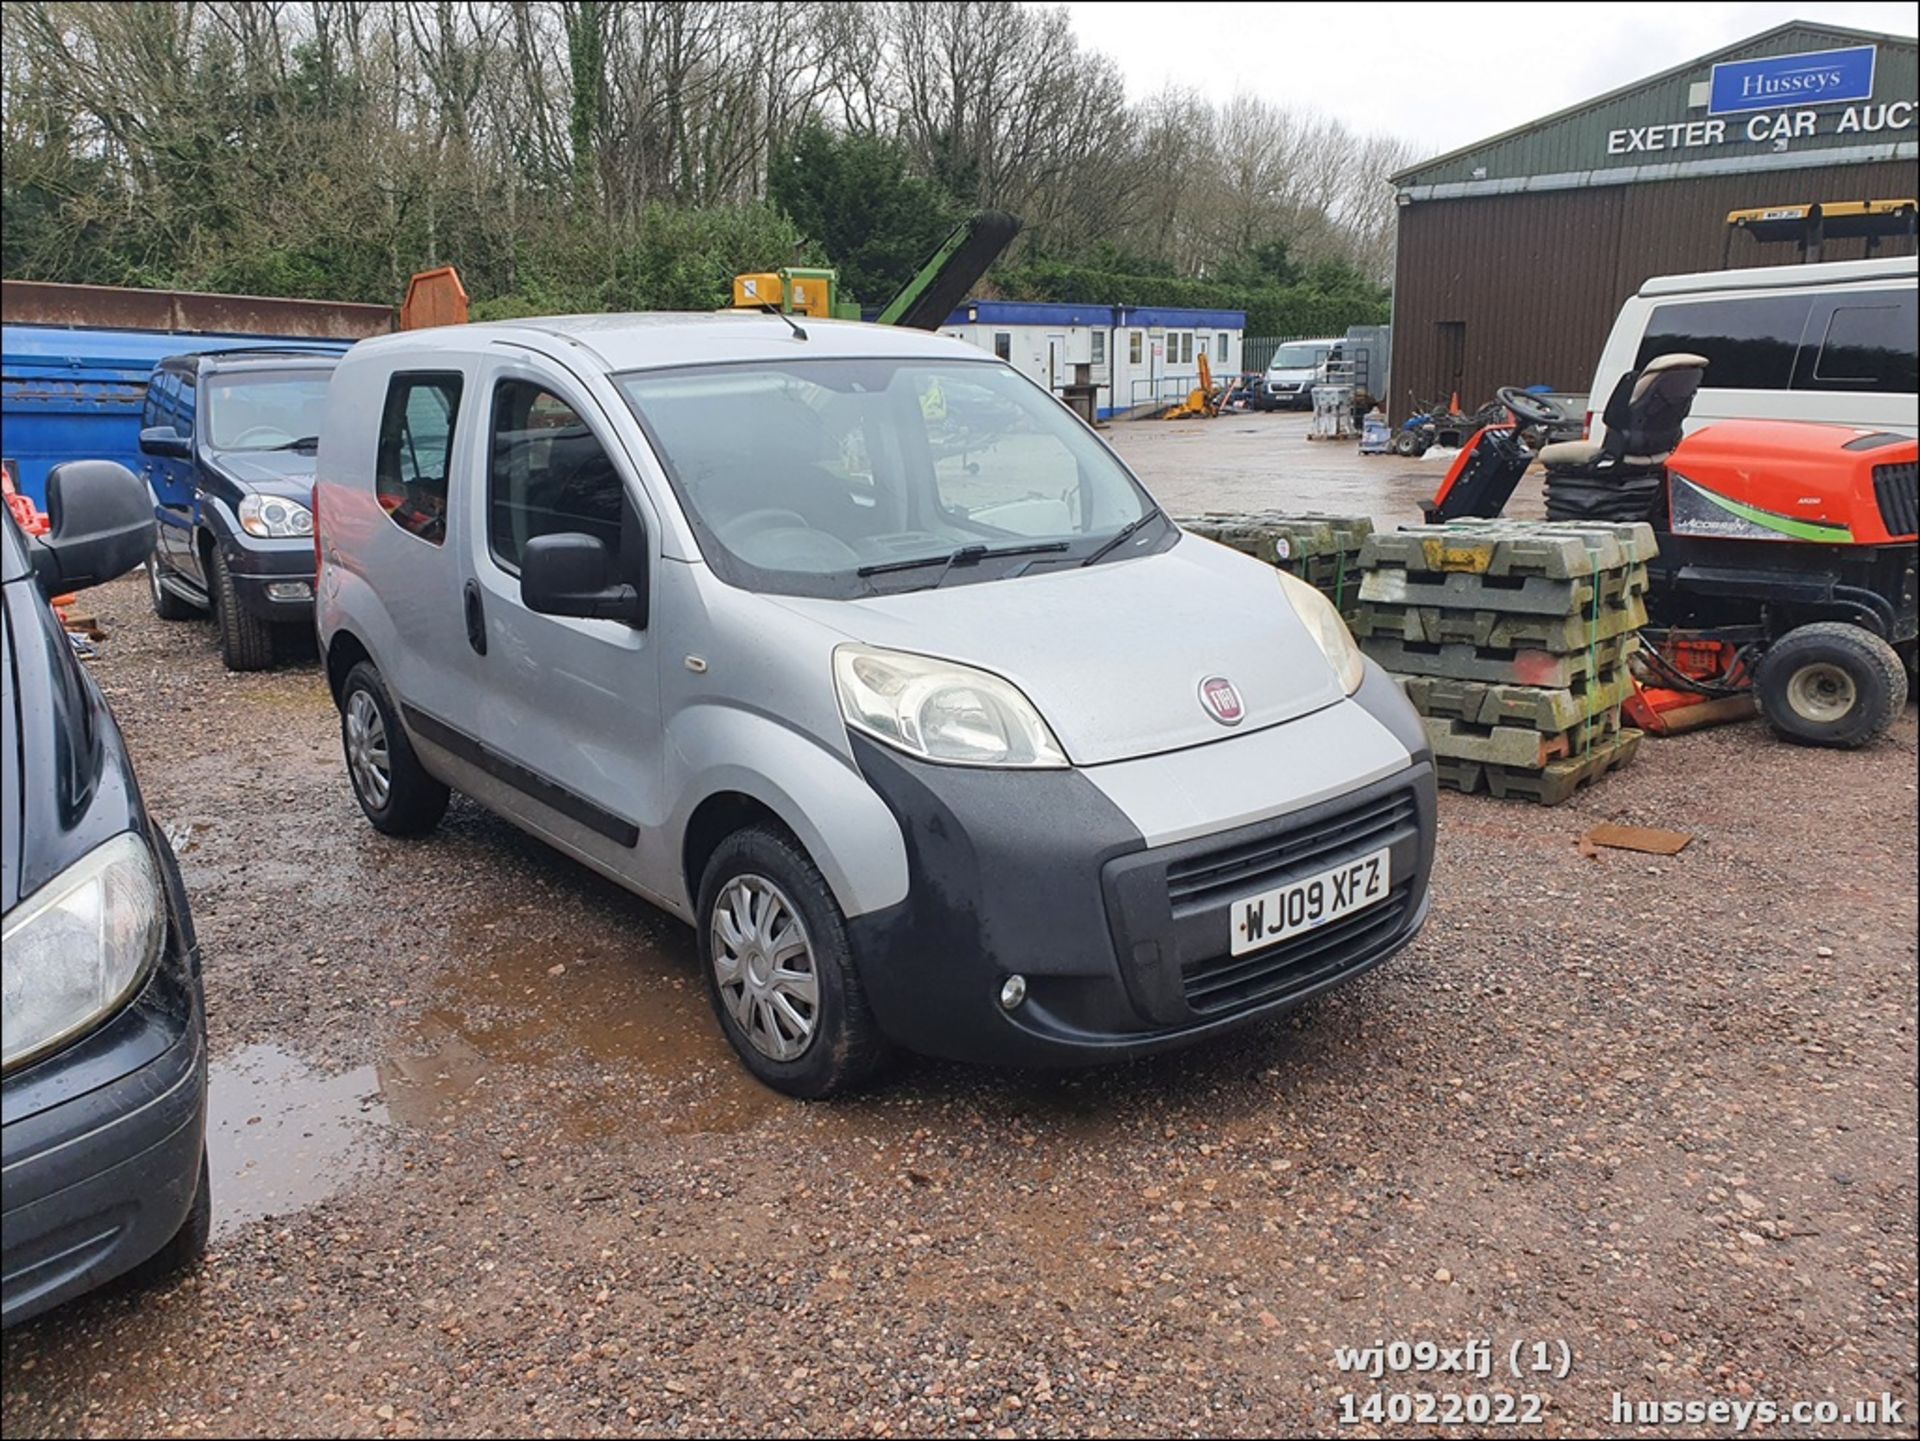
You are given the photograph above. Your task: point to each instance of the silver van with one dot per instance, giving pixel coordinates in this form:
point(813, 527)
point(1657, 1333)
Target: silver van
point(854, 648)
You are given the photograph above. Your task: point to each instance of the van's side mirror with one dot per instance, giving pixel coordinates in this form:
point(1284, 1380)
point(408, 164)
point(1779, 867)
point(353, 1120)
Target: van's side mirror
point(164, 441)
point(101, 525)
point(572, 574)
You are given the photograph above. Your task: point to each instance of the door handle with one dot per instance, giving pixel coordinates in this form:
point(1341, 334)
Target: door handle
point(476, 619)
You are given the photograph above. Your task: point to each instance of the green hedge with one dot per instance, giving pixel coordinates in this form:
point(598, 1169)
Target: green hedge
point(1302, 309)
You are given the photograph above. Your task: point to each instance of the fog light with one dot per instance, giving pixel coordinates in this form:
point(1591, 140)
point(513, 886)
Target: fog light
point(289, 590)
point(1012, 992)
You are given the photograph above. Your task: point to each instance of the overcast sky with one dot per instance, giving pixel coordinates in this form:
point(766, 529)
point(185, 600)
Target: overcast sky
point(1365, 63)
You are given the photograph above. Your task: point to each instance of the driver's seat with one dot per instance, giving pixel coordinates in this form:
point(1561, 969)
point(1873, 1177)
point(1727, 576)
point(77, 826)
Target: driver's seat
point(1644, 418)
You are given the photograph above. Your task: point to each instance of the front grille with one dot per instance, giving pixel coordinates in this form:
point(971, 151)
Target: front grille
point(1231, 983)
point(1897, 488)
point(1207, 880)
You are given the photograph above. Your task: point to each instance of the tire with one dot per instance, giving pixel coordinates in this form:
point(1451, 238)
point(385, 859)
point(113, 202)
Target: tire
point(379, 755)
point(1403, 443)
point(842, 1046)
point(166, 604)
point(186, 1246)
point(246, 641)
point(1831, 684)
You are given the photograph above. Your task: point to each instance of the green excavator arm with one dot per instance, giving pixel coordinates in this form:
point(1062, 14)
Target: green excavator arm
point(925, 302)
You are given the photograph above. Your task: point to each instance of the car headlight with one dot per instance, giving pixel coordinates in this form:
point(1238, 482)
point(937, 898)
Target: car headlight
point(941, 710)
point(79, 946)
point(272, 518)
point(1328, 630)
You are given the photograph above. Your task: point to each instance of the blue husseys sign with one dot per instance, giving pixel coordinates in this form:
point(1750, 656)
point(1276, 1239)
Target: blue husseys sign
point(1824, 77)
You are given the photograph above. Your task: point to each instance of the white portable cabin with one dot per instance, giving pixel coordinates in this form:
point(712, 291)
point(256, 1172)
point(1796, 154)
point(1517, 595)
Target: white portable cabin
point(1133, 355)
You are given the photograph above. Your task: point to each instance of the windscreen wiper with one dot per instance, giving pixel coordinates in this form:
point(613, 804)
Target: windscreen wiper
point(305, 442)
point(966, 555)
point(1114, 541)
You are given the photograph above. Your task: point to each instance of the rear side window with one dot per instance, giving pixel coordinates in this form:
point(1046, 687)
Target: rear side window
point(1749, 342)
point(548, 474)
point(415, 457)
point(1866, 343)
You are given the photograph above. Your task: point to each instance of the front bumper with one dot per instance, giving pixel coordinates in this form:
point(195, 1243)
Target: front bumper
point(273, 579)
point(102, 1146)
point(1124, 947)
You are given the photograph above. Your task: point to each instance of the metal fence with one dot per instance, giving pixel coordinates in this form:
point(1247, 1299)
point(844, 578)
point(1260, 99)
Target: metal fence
point(1257, 350)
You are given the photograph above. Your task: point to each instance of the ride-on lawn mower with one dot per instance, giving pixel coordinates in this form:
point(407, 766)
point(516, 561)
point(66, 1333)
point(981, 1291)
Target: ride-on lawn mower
point(1787, 551)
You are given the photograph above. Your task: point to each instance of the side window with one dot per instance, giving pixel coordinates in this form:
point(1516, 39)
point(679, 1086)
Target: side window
point(414, 458)
point(547, 475)
point(1097, 351)
point(1749, 343)
point(1867, 344)
point(150, 405)
point(1220, 345)
point(1133, 347)
point(188, 397)
point(163, 399)
point(1003, 344)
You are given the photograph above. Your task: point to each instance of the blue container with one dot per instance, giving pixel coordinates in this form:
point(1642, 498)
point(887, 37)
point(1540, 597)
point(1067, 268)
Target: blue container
point(77, 394)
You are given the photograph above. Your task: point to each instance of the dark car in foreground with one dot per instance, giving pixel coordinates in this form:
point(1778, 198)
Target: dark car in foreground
point(229, 437)
point(103, 1082)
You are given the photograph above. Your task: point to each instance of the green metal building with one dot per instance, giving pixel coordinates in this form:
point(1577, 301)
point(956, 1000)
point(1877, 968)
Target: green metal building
point(1514, 253)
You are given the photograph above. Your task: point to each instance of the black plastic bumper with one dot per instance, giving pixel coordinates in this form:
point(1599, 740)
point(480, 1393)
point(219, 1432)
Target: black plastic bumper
point(102, 1146)
point(255, 567)
point(1037, 874)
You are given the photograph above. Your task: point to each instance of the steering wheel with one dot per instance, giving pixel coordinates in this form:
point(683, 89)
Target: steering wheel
point(272, 435)
point(1530, 409)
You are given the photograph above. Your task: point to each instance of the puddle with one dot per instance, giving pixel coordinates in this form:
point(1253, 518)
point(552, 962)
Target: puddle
point(283, 1135)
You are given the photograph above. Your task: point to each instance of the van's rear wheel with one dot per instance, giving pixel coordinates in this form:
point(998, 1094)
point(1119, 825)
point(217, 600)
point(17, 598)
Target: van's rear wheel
point(779, 969)
point(393, 788)
point(1831, 684)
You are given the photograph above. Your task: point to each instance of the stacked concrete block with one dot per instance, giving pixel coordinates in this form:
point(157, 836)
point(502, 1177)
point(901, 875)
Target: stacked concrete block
point(1511, 638)
point(1322, 550)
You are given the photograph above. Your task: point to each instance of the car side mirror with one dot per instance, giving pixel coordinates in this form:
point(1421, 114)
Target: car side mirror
point(164, 441)
point(572, 574)
point(100, 518)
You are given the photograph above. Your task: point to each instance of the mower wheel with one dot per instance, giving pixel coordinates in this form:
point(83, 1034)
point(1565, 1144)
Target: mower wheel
point(1830, 684)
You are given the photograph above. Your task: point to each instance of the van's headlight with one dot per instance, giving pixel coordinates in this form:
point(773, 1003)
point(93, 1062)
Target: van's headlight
point(941, 710)
point(272, 518)
point(79, 946)
point(1328, 630)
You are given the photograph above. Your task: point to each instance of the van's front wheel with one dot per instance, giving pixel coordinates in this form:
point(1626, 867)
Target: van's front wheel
point(779, 970)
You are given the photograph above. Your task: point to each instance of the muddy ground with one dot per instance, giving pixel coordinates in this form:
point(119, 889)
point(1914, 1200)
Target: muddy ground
point(483, 1164)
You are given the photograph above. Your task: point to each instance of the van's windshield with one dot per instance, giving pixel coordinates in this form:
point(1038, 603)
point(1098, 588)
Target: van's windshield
point(859, 477)
point(1297, 357)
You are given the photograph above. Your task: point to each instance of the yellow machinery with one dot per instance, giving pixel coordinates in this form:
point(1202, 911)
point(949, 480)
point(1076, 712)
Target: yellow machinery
point(796, 290)
point(1201, 402)
point(1809, 227)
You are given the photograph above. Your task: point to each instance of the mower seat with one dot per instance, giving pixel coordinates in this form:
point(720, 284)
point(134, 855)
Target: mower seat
point(1644, 418)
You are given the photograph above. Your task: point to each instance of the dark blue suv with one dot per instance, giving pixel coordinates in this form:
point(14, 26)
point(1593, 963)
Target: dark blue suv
point(102, 1164)
point(230, 438)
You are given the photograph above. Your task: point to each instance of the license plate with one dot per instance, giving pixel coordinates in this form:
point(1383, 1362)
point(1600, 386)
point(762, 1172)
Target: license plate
point(1306, 905)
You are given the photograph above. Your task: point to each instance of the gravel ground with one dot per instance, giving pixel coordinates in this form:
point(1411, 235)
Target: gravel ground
point(483, 1164)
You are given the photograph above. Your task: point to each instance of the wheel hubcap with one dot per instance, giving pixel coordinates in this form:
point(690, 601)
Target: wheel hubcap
point(763, 962)
point(367, 756)
point(1821, 693)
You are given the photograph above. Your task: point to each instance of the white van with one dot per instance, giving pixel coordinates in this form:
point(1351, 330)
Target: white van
point(1832, 342)
point(855, 648)
point(1297, 366)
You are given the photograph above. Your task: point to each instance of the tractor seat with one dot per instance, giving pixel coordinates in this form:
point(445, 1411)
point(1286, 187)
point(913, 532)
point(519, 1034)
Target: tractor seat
point(1564, 453)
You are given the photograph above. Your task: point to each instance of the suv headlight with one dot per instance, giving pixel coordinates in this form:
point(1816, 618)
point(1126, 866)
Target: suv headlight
point(1328, 630)
point(272, 518)
point(79, 946)
point(941, 710)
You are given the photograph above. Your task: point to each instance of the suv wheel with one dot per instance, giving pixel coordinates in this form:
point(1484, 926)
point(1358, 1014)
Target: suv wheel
point(246, 641)
point(779, 971)
point(1831, 684)
point(393, 788)
point(166, 604)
